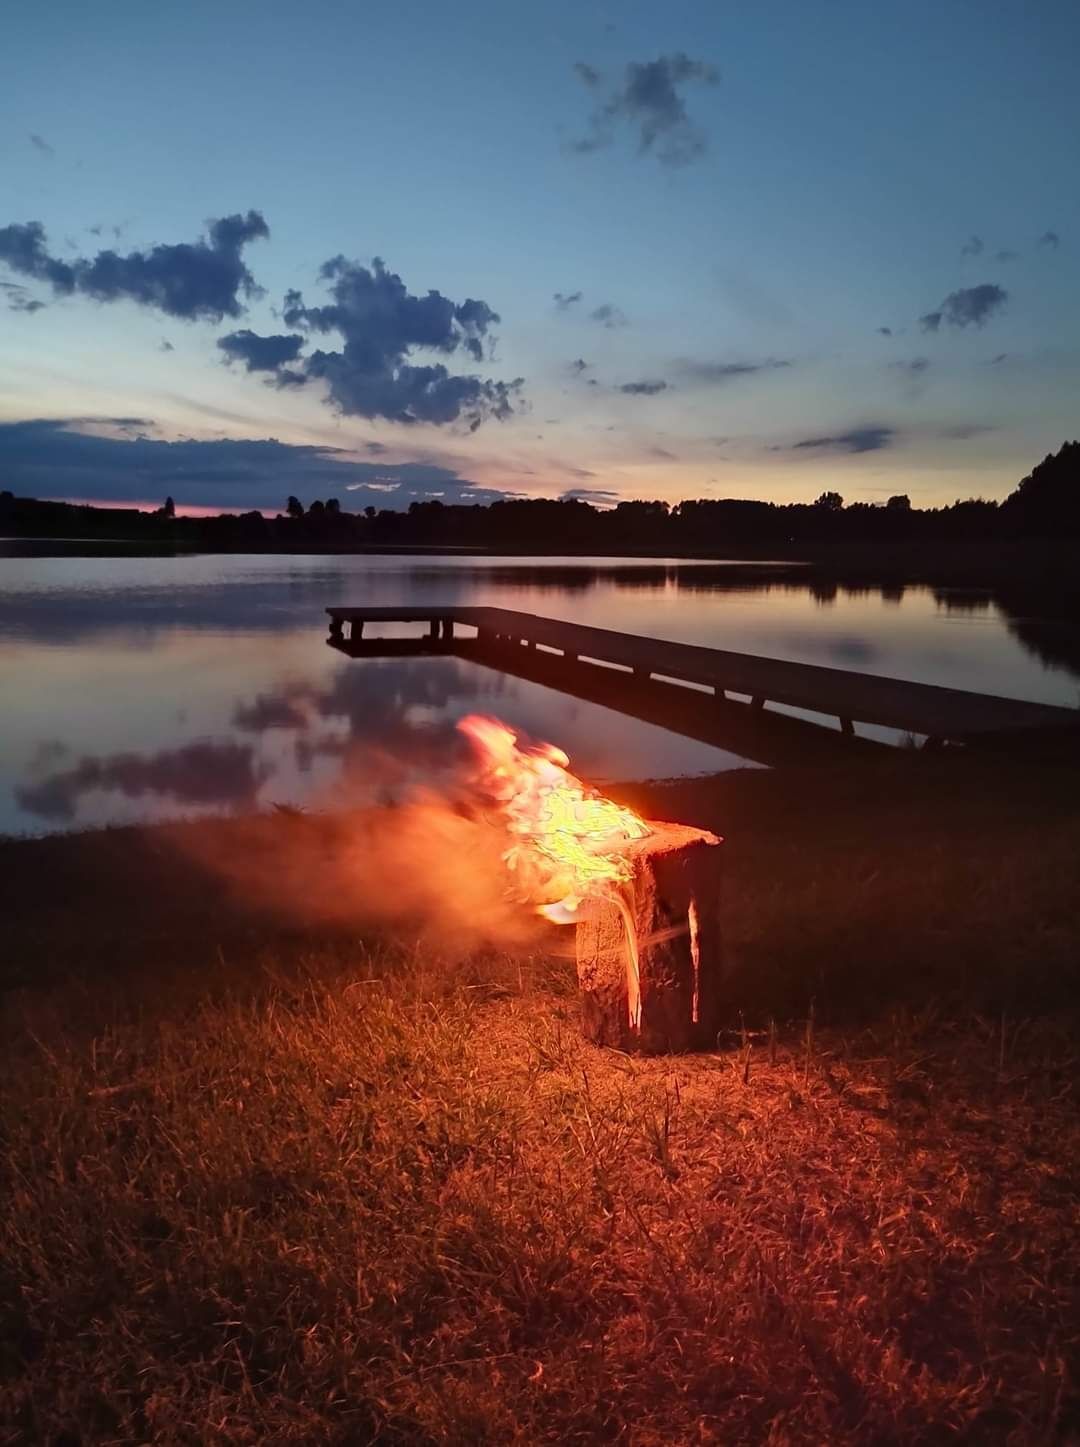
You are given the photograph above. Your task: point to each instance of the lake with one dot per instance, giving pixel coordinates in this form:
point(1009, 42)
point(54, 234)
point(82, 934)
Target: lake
point(140, 688)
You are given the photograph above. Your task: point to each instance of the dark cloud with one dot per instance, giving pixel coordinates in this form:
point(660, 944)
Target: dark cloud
point(200, 773)
point(579, 365)
point(40, 144)
point(607, 316)
point(200, 280)
point(970, 306)
point(1006, 255)
point(994, 361)
point(598, 496)
point(564, 300)
point(382, 324)
point(166, 345)
point(858, 439)
point(261, 354)
point(643, 389)
point(662, 454)
point(1049, 238)
point(972, 247)
point(716, 373)
point(650, 103)
point(118, 461)
point(884, 331)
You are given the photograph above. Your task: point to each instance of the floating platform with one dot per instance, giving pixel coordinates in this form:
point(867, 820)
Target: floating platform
point(649, 672)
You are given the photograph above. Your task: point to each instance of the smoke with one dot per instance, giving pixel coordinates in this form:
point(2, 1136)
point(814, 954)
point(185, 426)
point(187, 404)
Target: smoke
point(431, 869)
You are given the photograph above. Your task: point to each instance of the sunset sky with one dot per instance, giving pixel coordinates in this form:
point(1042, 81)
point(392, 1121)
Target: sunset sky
point(690, 250)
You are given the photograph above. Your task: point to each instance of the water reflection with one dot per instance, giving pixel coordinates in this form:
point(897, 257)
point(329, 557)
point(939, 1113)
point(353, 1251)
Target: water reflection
point(140, 686)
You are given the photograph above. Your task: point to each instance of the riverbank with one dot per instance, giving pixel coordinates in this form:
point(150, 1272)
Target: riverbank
point(270, 1180)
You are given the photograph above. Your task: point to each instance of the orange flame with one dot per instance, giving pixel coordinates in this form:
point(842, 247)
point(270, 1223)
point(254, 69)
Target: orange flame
point(568, 838)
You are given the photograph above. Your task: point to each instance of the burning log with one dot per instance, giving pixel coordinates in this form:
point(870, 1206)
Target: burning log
point(643, 895)
point(648, 951)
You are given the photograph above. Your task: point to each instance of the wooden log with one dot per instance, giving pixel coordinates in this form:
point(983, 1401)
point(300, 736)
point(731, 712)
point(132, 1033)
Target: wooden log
point(648, 957)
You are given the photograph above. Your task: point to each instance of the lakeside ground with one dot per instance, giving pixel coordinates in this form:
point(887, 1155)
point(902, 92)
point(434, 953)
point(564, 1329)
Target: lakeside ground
point(269, 1182)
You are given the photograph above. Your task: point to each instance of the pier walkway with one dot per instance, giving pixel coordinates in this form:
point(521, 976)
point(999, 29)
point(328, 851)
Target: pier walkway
point(656, 667)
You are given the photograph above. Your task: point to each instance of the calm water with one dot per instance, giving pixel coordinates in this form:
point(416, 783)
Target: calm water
point(136, 687)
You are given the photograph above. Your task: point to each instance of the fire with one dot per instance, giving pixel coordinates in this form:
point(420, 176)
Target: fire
point(568, 839)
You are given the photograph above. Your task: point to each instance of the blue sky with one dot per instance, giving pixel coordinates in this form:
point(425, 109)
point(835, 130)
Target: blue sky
point(743, 196)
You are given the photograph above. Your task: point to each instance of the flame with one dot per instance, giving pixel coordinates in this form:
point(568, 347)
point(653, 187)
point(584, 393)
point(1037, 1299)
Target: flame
point(568, 839)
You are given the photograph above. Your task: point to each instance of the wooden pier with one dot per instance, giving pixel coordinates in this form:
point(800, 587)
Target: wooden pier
point(653, 669)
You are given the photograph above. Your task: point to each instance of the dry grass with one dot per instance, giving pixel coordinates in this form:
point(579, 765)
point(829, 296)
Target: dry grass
point(322, 1191)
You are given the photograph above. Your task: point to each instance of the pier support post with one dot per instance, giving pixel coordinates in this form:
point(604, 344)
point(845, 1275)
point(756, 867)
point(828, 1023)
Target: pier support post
point(336, 631)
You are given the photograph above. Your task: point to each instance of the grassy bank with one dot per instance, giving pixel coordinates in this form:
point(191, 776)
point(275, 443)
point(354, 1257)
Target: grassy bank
point(272, 1182)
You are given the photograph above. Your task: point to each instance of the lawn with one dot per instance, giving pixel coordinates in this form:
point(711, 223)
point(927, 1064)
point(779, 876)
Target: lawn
point(269, 1180)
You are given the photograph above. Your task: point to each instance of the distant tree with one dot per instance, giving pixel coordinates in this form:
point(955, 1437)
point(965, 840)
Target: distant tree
point(1049, 497)
point(294, 507)
point(899, 503)
point(829, 501)
point(333, 506)
point(317, 509)
point(369, 513)
point(169, 510)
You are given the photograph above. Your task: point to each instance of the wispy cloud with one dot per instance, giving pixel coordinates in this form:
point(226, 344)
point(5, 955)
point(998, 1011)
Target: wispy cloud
point(41, 145)
point(564, 300)
point(608, 316)
point(715, 373)
point(970, 306)
point(643, 389)
point(649, 103)
point(858, 439)
point(973, 246)
point(1049, 238)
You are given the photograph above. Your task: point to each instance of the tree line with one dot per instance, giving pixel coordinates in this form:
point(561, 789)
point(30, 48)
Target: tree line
point(1045, 504)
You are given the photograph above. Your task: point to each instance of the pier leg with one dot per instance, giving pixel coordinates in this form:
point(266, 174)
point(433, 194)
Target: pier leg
point(846, 726)
point(758, 703)
point(448, 628)
point(336, 630)
point(433, 628)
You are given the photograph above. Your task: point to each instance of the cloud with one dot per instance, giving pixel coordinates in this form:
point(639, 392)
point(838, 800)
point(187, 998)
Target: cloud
point(588, 74)
point(913, 368)
point(716, 373)
point(962, 431)
point(662, 454)
point(884, 331)
point(565, 300)
point(19, 299)
point(41, 145)
point(858, 439)
point(166, 345)
point(650, 104)
point(970, 306)
point(1001, 356)
point(382, 324)
point(598, 496)
point(608, 316)
point(1006, 255)
point(260, 354)
point(115, 459)
point(972, 247)
point(200, 280)
point(579, 366)
point(204, 773)
point(643, 389)
point(1049, 238)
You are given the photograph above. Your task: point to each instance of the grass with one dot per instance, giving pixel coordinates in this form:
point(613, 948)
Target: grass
point(266, 1183)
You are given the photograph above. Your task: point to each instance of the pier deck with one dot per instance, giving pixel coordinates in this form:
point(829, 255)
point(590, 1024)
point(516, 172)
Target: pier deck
point(936, 713)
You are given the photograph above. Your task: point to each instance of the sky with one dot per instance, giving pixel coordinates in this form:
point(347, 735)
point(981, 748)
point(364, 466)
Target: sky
point(612, 250)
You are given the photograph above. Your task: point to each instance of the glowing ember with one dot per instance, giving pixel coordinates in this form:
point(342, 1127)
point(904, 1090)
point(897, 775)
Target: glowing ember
point(568, 838)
